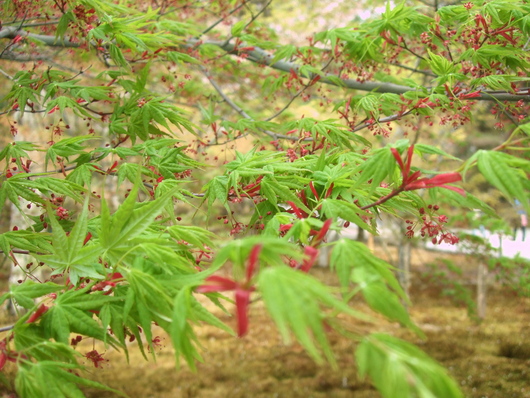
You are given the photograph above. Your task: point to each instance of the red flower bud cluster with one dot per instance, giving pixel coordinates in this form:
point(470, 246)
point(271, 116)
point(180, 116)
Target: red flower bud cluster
point(62, 213)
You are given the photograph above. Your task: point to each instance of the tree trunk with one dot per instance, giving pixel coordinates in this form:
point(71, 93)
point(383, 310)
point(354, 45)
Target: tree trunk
point(404, 265)
point(360, 234)
point(371, 243)
point(482, 282)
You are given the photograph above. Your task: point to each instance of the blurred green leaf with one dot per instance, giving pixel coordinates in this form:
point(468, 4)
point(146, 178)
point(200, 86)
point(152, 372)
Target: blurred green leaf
point(401, 370)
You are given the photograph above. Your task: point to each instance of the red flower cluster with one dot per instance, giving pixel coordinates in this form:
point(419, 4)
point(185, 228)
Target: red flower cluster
point(432, 227)
point(95, 357)
point(62, 213)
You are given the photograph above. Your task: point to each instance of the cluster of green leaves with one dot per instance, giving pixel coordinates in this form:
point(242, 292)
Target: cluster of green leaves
point(512, 272)
point(447, 275)
point(114, 274)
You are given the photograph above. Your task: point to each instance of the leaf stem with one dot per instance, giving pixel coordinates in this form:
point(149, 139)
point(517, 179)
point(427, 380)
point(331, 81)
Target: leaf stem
point(385, 198)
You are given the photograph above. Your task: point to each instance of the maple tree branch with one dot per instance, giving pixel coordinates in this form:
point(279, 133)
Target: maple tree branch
point(16, 21)
point(262, 57)
point(10, 56)
point(10, 32)
point(257, 55)
point(31, 25)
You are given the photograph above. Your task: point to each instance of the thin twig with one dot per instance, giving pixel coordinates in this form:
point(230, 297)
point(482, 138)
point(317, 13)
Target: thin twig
point(223, 18)
point(300, 92)
point(6, 74)
point(20, 251)
point(387, 119)
point(384, 198)
point(235, 107)
point(254, 17)
point(414, 70)
point(288, 104)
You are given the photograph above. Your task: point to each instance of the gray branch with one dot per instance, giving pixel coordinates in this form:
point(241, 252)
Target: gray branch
point(262, 57)
point(10, 32)
point(7, 328)
point(10, 56)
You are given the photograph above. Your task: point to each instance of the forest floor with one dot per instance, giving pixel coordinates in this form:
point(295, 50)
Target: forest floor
point(488, 359)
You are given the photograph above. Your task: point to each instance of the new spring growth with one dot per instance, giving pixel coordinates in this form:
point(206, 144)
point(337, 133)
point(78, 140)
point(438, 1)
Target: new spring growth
point(411, 181)
point(310, 251)
point(242, 290)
